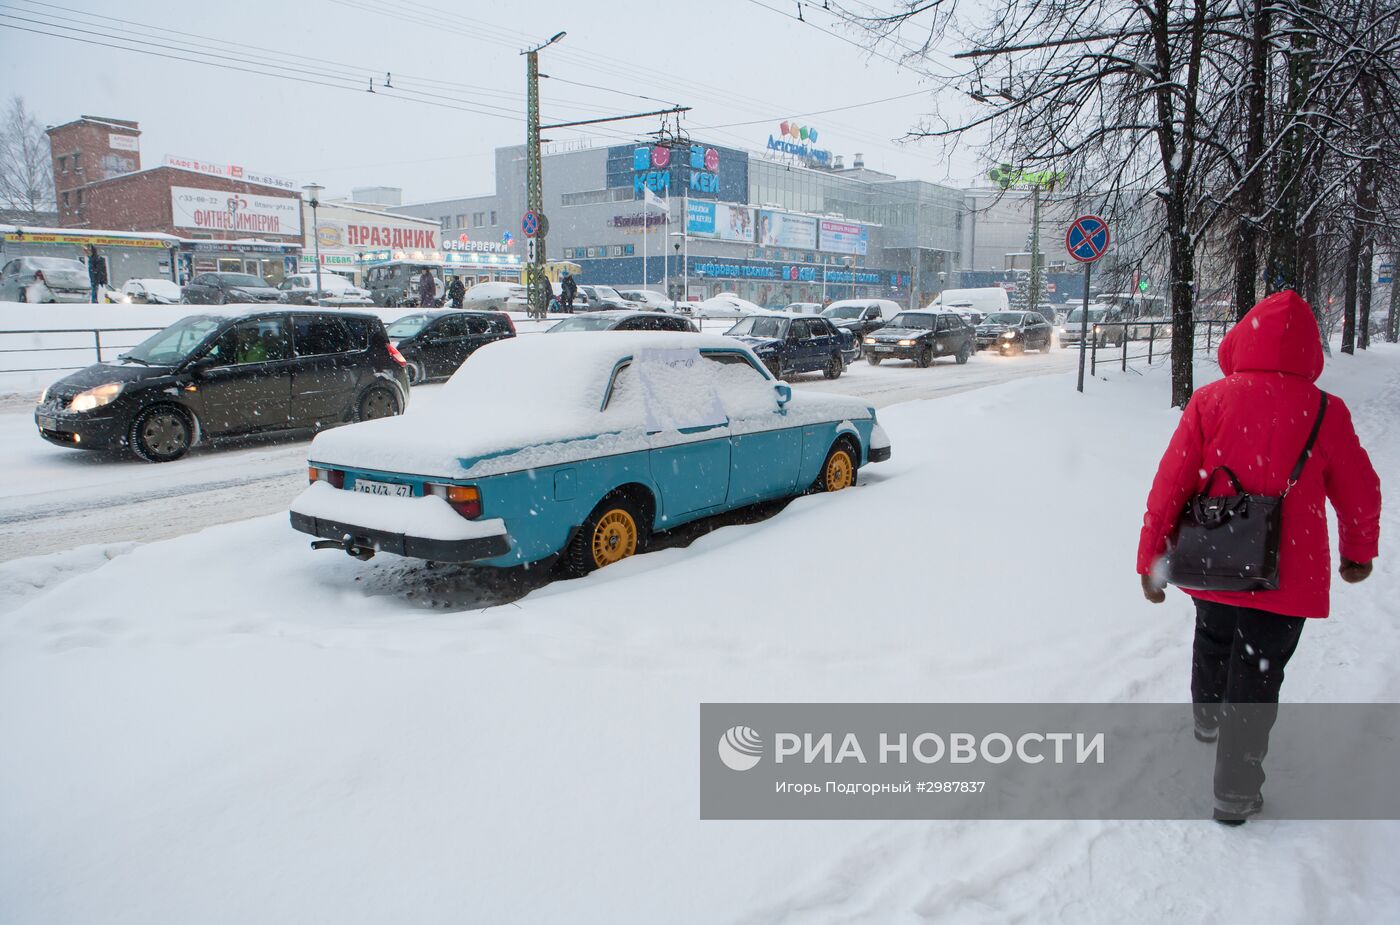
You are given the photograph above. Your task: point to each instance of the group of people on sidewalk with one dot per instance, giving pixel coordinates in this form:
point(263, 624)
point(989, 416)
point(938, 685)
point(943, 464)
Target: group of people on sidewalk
point(1252, 423)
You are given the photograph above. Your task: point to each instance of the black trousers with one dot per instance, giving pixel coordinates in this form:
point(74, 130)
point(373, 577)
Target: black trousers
point(1237, 665)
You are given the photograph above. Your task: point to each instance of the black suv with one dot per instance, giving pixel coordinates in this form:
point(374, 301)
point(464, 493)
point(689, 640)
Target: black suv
point(212, 376)
point(921, 336)
point(434, 344)
point(1016, 332)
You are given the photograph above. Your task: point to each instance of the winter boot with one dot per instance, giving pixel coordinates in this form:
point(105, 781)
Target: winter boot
point(1235, 814)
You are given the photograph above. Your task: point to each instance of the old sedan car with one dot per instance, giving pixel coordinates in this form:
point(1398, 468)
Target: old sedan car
point(44, 279)
point(151, 291)
point(788, 343)
point(1015, 332)
point(624, 321)
point(336, 291)
point(435, 343)
point(212, 376)
point(922, 336)
point(603, 299)
point(228, 289)
point(628, 435)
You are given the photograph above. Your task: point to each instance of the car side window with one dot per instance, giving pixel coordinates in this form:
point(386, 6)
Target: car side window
point(477, 325)
point(317, 335)
point(802, 329)
point(450, 326)
point(359, 331)
point(9, 268)
point(498, 326)
point(261, 341)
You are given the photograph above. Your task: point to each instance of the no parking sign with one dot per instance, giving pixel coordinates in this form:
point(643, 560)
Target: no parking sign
point(1086, 240)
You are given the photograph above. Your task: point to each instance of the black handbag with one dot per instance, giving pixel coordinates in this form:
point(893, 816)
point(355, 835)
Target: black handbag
point(1231, 542)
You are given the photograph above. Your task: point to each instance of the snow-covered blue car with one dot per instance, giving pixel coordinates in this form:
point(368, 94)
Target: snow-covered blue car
point(578, 446)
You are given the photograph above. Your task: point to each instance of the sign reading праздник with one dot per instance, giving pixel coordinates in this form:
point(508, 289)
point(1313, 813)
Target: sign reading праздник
point(1039, 761)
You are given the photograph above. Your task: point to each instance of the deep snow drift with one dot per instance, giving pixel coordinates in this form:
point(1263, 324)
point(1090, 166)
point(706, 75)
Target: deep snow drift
point(228, 727)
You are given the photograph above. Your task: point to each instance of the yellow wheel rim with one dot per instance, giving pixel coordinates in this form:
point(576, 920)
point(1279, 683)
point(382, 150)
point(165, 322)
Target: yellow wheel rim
point(614, 537)
point(840, 471)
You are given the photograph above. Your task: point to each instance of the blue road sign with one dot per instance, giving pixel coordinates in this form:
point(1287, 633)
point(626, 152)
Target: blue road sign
point(1087, 238)
point(530, 224)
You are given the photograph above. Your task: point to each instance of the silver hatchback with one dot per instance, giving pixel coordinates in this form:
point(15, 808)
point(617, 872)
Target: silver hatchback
point(44, 279)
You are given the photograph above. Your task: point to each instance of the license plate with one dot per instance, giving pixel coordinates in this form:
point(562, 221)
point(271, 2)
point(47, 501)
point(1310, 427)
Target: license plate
point(390, 489)
point(876, 348)
point(47, 422)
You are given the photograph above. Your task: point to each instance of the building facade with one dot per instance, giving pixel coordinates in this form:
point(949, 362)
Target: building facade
point(772, 231)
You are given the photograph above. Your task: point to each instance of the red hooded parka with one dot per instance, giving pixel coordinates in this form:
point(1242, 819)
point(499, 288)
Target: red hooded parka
point(1256, 421)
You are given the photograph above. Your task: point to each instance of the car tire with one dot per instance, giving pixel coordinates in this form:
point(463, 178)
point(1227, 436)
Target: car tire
point(872, 359)
point(161, 433)
point(925, 358)
point(1049, 345)
point(839, 468)
point(964, 354)
point(417, 374)
point(617, 529)
point(377, 402)
point(833, 368)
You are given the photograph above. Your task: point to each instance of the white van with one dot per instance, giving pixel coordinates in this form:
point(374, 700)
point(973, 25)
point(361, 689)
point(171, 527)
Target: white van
point(982, 301)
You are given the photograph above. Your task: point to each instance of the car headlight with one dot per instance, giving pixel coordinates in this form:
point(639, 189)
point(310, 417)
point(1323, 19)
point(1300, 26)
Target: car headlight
point(44, 395)
point(1097, 329)
point(1009, 335)
point(97, 397)
point(906, 343)
point(870, 340)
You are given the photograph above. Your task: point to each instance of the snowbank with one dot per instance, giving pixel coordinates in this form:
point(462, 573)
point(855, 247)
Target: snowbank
point(229, 727)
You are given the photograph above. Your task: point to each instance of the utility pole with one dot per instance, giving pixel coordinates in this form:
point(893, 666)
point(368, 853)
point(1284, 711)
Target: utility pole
point(534, 182)
point(1033, 297)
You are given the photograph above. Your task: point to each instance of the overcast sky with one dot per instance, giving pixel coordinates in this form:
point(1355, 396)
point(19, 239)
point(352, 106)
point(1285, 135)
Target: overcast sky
point(733, 61)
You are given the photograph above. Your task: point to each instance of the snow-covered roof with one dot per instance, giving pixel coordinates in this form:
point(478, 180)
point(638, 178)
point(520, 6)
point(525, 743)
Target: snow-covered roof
point(88, 232)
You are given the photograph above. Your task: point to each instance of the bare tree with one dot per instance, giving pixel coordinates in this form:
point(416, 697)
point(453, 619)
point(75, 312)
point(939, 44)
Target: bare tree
point(26, 173)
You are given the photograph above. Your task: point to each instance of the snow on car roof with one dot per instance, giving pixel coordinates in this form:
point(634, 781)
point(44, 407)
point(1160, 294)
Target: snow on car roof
point(515, 393)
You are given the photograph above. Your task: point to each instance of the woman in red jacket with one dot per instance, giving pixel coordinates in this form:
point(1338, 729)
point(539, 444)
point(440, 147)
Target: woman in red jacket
point(1256, 421)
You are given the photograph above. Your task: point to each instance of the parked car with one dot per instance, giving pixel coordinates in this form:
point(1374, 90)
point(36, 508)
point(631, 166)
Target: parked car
point(861, 316)
point(726, 305)
point(965, 311)
point(150, 291)
point(228, 289)
point(922, 336)
point(497, 297)
point(336, 291)
point(796, 343)
point(1101, 326)
point(44, 279)
point(803, 308)
point(628, 435)
point(209, 376)
point(986, 299)
point(1016, 332)
point(624, 321)
point(436, 343)
point(651, 299)
point(395, 284)
point(604, 298)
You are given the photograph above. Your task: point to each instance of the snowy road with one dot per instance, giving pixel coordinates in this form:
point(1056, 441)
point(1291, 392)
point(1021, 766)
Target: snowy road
point(53, 498)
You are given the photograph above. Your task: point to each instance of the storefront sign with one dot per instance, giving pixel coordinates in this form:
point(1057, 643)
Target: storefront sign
point(639, 220)
point(800, 141)
point(330, 235)
point(122, 142)
point(844, 238)
point(308, 261)
point(464, 244)
point(228, 172)
point(699, 171)
point(722, 220)
point(235, 247)
point(734, 270)
point(100, 240)
point(783, 229)
point(243, 213)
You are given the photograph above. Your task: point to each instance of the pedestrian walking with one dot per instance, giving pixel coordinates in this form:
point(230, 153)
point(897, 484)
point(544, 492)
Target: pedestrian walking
point(549, 301)
point(1264, 430)
point(456, 292)
point(97, 272)
point(427, 289)
point(568, 289)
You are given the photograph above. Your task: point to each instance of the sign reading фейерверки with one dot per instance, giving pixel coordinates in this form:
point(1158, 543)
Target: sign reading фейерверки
point(1033, 761)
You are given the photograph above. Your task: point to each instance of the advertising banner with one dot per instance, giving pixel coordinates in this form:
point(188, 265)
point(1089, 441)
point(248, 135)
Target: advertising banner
point(722, 220)
point(844, 238)
point(244, 213)
point(783, 229)
point(227, 171)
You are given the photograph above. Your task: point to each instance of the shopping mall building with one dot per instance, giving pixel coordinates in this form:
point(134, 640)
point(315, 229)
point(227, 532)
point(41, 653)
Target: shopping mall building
point(799, 227)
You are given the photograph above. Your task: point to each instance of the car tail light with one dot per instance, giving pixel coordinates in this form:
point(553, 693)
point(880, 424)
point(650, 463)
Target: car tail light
point(396, 356)
point(510, 322)
point(335, 477)
point(465, 499)
point(38, 276)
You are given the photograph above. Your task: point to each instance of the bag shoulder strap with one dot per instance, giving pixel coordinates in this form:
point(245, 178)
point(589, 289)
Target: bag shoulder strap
point(1307, 447)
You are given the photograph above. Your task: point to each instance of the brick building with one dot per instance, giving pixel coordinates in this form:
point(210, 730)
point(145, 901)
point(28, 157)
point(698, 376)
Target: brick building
point(228, 218)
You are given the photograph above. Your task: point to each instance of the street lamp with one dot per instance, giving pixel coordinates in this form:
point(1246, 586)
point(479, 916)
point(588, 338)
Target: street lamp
point(314, 191)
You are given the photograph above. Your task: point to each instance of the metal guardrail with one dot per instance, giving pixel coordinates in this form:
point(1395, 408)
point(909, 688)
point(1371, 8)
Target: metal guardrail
point(97, 346)
point(1131, 329)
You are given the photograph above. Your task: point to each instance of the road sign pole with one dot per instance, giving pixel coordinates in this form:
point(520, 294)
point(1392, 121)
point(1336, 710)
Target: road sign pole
point(1084, 324)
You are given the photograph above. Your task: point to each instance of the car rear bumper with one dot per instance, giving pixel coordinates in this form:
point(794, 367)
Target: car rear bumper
point(84, 433)
point(414, 547)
